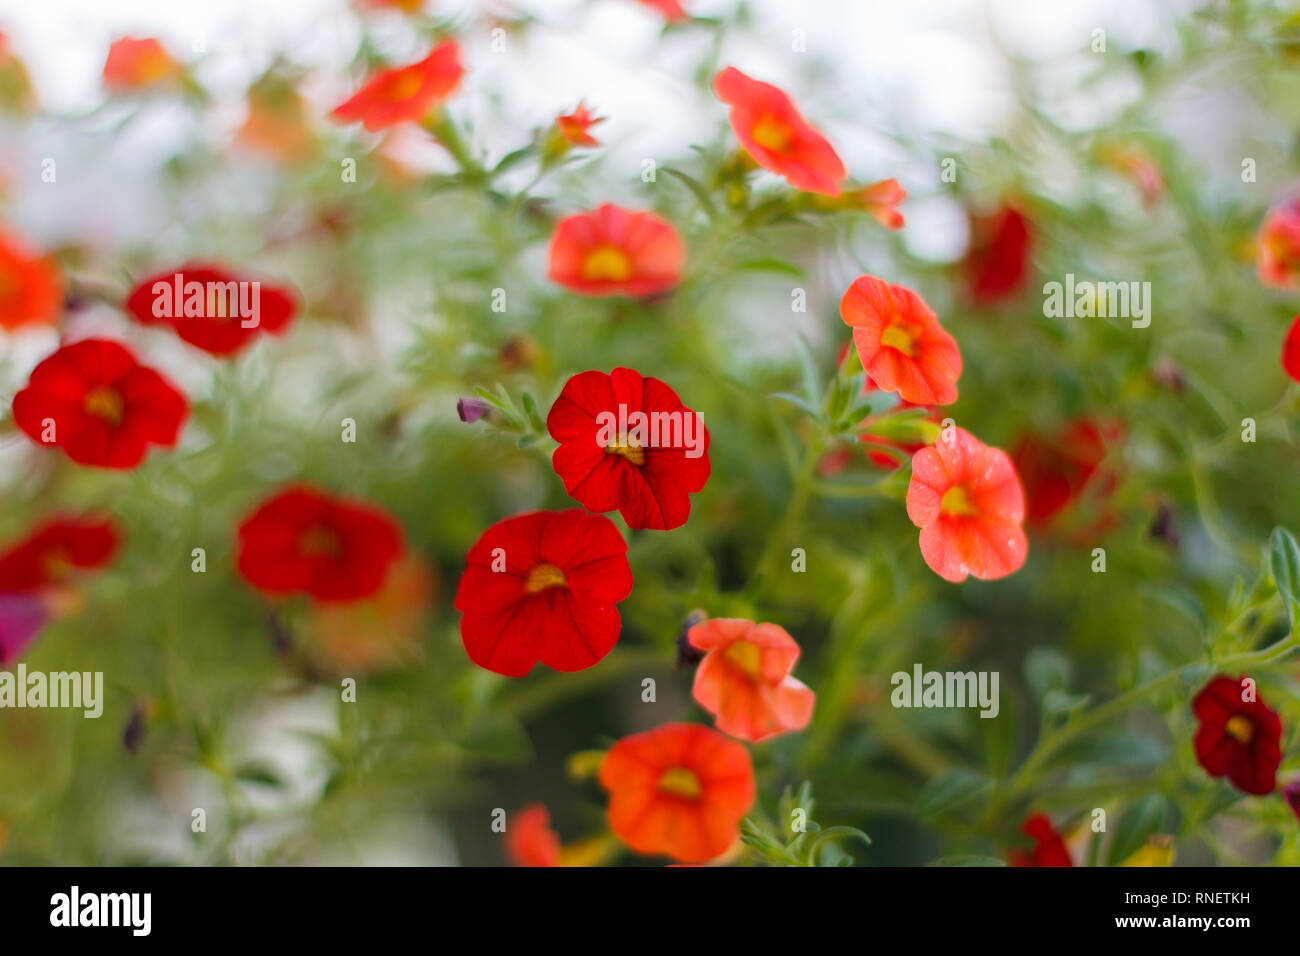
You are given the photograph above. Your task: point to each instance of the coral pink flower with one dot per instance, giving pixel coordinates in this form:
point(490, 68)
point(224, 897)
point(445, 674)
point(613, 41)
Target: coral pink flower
point(530, 841)
point(138, 65)
point(405, 94)
point(776, 136)
point(1238, 738)
point(1278, 257)
point(879, 200)
point(967, 500)
point(1049, 849)
point(614, 251)
point(671, 9)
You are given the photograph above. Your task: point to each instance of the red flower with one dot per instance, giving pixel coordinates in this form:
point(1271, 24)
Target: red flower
point(1291, 350)
point(405, 94)
point(574, 127)
point(1049, 848)
point(56, 548)
point(744, 679)
point(1057, 470)
point(615, 251)
point(997, 262)
point(530, 841)
point(305, 541)
point(102, 407)
point(1291, 793)
point(543, 586)
point(1278, 258)
point(776, 136)
point(967, 501)
point(30, 289)
point(679, 790)
point(1237, 738)
point(138, 64)
point(879, 199)
point(628, 443)
point(900, 342)
point(671, 9)
point(212, 308)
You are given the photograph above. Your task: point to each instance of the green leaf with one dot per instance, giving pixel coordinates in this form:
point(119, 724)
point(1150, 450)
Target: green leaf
point(798, 402)
point(952, 789)
point(772, 265)
point(697, 187)
point(1046, 669)
point(1139, 820)
point(1284, 562)
point(260, 774)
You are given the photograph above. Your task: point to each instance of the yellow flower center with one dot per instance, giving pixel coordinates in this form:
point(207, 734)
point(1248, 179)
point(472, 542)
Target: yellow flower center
point(772, 134)
point(542, 577)
point(106, 403)
point(957, 501)
point(745, 656)
point(899, 336)
point(628, 449)
point(402, 86)
point(606, 264)
point(1242, 728)
point(681, 782)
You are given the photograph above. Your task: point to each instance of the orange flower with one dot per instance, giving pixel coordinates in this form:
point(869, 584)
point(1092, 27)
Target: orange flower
point(967, 500)
point(879, 199)
point(744, 679)
point(902, 346)
point(138, 65)
point(277, 120)
point(405, 94)
point(614, 251)
point(379, 632)
point(679, 790)
point(776, 136)
point(31, 292)
point(1279, 246)
point(530, 841)
point(574, 126)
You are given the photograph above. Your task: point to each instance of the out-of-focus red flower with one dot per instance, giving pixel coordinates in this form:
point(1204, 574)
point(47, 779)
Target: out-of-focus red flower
point(31, 292)
point(615, 251)
point(530, 841)
point(671, 9)
point(879, 200)
point(1291, 350)
point(627, 443)
point(575, 127)
point(54, 550)
point(138, 65)
point(1056, 470)
point(1278, 248)
point(776, 136)
point(379, 632)
point(277, 124)
point(997, 262)
point(967, 500)
point(679, 790)
point(406, 6)
point(101, 406)
point(1049, 849)
point(543, 586)
point(405, 94)
point(211, 307)
point(1238, 739)
point(302, 540)
point(744, 679)
point(900, 342)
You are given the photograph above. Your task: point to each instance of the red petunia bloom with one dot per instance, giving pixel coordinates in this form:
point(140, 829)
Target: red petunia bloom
point(102, 407)
point(997, 262)
point(628, 443)
point(303, 540)
point(1049, 849)
point(679, 790)
point(1278, 255)
point(543, 586)
point(1291, 350)
point(212, 308)
point(671, 9)
point(405, 94)
point(1238, 739)
point(900, 342)
point(31, 292)
point(530, 841)
point(137, 65)
point(575, 127)
point(1057, 470)
point(615, 251)
point(54, 550)
point(773, 133)
point(967, 500)
point(744, 679)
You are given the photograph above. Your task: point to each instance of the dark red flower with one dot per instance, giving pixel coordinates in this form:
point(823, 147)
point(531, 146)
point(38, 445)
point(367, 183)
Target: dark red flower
point(1237, 738)
point(628, 443)
point(306, 541)
point(56, 548)
point(997, 263)
point(1056, 470)
point(1291, 792)
point(1049, 849)
point(543, 586)
point(211, 307)
point(1291, 351)
point(102, 407)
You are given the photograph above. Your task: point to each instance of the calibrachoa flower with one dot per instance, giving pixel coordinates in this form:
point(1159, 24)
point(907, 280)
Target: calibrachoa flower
point(773, 133)
point(671, 9)
point(679, 790)
point(967, 500)
point(303, 540)
point(1056, 470)
point(138, 65)
point(575, 127)
point(378, 632)
point(543, 586)
point(212, 308)
point(902, 346)
point(54, 550)
point(405, 94)
point(1049, 849)
point(628, 443)
point(615, 251)
point(1278, 256)
point(997, 262)
point(1291, 350)
point(102, 407)
point(1237, 738)
point(30, 290)
point(744, 679)
point(879, 199)
point(530, 841)
point(277, 124)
